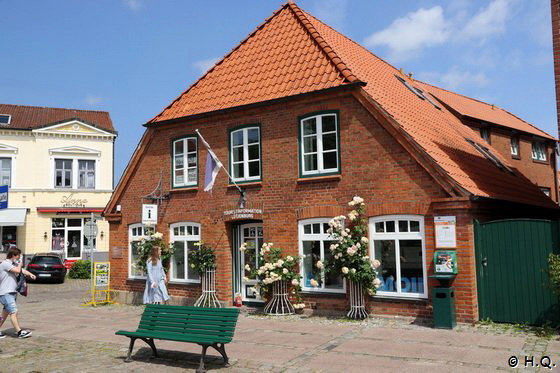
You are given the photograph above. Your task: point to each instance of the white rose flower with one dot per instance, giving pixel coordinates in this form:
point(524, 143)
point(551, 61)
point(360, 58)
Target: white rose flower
point(245, 278)
point(353, 270)
point(377, 283)
point(247, 267)
point(366, 257)
point(357, 200)
point(345, 270)
point(290, 258)
point(344, 234)
point(351, 203)
point(260, 271)
point(295, 282)
point(157, 235)
point(285, 271)
point(365, 240)
point(280, 263)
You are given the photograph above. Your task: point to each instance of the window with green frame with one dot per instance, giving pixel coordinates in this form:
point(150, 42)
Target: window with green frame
point(245, 154)
point(185, 162)
point(319, 144)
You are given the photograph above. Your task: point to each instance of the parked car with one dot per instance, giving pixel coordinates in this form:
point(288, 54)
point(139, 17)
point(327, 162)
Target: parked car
point(49, 267)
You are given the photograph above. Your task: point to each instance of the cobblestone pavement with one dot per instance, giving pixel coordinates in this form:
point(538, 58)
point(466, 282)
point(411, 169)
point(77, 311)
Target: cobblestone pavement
point(70, 338)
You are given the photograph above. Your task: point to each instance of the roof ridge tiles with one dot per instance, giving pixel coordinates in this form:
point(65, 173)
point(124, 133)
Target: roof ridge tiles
point(327, 49)
point(55, 108)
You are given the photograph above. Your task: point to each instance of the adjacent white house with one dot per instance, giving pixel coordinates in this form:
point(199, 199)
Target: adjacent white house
point(58, 164)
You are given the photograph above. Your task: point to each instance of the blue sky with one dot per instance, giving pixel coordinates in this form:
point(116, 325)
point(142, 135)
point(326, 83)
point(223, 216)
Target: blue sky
point(133, 57)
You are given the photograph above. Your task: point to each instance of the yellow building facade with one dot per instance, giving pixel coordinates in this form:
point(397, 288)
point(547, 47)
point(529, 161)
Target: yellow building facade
point(59, 174)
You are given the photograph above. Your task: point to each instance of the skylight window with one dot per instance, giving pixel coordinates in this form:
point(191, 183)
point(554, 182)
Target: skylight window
point(5, 118)
point(488, 154)
point(418, 92)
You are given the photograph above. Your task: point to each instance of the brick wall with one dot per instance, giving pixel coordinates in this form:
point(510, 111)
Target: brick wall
point(374, 166)
point(555, 12)
point(540, 173)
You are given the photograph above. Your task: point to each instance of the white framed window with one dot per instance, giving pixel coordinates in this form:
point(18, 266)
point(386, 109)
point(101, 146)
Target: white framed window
point(86, 174)
point(397, 241)
point(5, 119)
point(485, 134)
point(184, 236)
point(63, 173)
point(185, 162)
point(74, 173)
point(136, 234)
point(245, 154)
point(545, 190)
point(6, 171)
point(314, 243)
point(539, 151)
point(514, 146)
point(319, 144)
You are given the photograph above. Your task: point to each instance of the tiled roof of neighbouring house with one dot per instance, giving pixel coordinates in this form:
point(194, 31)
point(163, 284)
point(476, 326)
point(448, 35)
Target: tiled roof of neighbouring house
point(32, 117)
point(470, 107)
point(293, 53)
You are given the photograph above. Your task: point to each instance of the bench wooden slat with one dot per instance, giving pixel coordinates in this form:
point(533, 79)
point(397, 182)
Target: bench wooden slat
point(232, 312)
point(190, 317)
point(187, 331)
point(175, 337)
point(156, 324)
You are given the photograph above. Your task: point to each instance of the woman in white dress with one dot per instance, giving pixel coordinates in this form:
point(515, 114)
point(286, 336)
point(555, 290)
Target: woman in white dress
point(156, 291)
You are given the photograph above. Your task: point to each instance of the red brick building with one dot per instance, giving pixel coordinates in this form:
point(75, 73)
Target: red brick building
point(304, 119)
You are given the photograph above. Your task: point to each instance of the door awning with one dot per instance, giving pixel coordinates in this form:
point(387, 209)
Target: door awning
point(12, 217)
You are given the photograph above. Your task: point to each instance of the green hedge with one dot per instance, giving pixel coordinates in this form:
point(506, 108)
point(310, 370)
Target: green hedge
point(81, 269)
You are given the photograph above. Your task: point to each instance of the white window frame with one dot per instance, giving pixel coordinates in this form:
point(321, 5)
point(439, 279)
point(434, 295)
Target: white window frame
point(185, 239)
point(245, 161)
point(132, 238)
point(538, 151)
point(3, 157)
point(75, 171)
point(86, 173)
point(319, 135)
point(315, 237)
point(9, 119)
point(396, 236)
point(186, 167)
point(514, 146)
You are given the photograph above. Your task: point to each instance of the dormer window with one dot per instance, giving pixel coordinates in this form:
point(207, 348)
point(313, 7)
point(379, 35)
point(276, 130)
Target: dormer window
point(5, 119)
point(539, 151)
point(514, 146)
point(485, 134)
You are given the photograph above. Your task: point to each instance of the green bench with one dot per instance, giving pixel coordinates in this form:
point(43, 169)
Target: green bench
point(208, 327)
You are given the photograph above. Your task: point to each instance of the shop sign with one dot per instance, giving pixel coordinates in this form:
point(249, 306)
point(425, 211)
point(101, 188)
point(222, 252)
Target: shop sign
point(70, 201)
point(149, 214)
point(3, 197)
point(445, 231)
point(241, 214)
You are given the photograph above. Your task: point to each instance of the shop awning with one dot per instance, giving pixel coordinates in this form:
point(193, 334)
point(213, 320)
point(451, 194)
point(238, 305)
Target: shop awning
point(77, 210)
point(12, 217)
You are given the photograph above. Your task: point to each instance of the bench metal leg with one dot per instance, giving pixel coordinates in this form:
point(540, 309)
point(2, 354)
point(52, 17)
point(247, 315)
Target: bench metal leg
point(130, 347)
point(221, 348)
point(150, 342)
point(201, 366)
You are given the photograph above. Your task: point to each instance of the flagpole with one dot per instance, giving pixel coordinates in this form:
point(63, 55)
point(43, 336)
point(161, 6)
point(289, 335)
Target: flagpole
point(226, 171)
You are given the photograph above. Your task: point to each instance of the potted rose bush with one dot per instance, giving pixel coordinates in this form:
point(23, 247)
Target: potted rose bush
point(203, 261)
point(278, 280)
point(350, 259)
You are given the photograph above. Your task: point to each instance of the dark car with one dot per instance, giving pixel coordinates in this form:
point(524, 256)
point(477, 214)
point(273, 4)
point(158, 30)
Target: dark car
point(49, 267)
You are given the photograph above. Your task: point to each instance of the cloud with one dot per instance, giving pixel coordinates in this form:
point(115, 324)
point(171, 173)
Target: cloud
point(455, 78)
point(332, 12)
point(134, 5)
point(204, 65)
point(488, 21)
point(413, 32)
point(92, 100)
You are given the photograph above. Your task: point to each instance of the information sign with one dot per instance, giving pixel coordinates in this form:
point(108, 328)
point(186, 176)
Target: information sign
point(149, 214)
point(445, 231)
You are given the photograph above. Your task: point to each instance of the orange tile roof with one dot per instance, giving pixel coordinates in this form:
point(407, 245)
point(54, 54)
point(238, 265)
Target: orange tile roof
point(481, 110)
point(292, 53)
point(31, 117)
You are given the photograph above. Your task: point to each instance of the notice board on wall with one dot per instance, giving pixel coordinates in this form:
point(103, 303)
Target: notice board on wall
point(446, 234)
